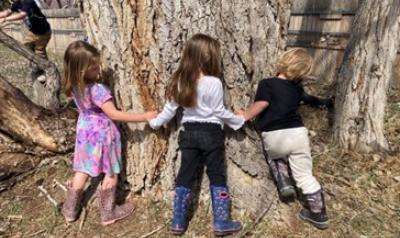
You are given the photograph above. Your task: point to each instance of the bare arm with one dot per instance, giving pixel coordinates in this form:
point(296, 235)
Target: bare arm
point(254, 110)
point(5, 13)
point(16, 17)
point(117, 115)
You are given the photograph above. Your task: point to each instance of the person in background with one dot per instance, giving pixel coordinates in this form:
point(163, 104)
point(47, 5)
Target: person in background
point(39, 33)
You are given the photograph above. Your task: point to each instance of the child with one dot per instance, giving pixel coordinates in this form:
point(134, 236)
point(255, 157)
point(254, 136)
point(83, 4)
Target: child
point(284, 135)
point(98, 144)
point(195, 86)
point(39, 33)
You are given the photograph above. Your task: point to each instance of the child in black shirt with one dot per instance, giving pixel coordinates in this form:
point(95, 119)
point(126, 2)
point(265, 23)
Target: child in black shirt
point(39, 28)
point(284, 136)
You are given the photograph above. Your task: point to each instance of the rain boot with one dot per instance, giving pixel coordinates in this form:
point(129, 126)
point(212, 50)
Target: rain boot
point(181, 205)
point(221, 200)
point(314, 210)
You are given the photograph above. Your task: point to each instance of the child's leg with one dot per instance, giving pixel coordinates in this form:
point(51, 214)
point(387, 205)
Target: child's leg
point(277, 161)
point(190, 163)
point(109, 211)
point(280, 171)
point(301, 165)
point(79, 180)
point(220, 197)
point(314, 203)
point(109, 181)
point(71, 206)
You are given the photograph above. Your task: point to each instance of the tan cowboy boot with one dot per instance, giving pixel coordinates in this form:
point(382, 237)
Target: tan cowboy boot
point(109, 211)
point(71, 206)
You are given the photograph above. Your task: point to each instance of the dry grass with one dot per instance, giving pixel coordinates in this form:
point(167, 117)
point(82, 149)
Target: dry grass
point(363, 192)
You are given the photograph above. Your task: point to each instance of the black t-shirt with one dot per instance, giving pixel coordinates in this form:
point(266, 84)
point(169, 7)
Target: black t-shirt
point(35, 20)
point(284, 97)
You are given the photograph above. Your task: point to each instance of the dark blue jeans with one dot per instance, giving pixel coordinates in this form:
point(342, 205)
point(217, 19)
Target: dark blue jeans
point(201, 144)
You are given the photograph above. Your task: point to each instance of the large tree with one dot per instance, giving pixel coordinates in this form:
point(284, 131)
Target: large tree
point(142, 42)
point(363, 79)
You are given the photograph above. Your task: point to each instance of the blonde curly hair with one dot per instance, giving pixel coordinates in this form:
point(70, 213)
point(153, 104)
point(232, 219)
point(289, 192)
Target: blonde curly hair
point(294, 64)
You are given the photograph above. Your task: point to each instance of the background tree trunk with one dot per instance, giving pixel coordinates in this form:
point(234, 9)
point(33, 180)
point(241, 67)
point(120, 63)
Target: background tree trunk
point(363, 78)
point(142, 42)
point(45, 94)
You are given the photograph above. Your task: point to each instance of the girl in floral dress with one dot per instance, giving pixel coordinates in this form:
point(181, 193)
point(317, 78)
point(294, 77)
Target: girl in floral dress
point(98, 143)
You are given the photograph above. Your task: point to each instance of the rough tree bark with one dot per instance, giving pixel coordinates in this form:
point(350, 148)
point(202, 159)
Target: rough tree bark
point(28, 133)
point(142, 42)
point(23, 121)
point(44, 94)
point(364, 76)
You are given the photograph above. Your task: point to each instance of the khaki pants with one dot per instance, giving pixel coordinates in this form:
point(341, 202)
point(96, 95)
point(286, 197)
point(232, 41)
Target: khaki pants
point(37, 43)
point(294, 145)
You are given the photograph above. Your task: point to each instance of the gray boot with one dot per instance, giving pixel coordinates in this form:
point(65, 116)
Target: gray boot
point(280, 171)
point(110, 212)
point(314, 210)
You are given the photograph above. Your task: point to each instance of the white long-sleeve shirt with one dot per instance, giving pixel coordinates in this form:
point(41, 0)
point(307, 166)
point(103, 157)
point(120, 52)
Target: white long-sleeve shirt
point(210, 107)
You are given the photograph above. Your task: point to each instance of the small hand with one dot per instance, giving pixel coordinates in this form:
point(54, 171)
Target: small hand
point(2, 20)
point(241, 113)
point(150, 115)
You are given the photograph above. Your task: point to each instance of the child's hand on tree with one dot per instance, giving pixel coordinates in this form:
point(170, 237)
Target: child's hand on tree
point(150, 115)
point(241, 113)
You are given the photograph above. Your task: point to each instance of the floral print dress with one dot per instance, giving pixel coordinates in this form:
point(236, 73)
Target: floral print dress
point(98, 143)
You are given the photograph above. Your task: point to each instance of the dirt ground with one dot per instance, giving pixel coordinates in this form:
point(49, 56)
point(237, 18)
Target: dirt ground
point(362, 191)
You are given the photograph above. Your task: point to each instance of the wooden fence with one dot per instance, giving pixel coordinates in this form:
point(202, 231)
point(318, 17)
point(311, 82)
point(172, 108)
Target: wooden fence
point(322, 27)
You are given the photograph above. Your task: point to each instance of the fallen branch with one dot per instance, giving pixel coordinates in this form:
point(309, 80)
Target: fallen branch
point(36, 233)
point(52, 200)
point(60, 185)
point(14, 217)
point(147, 234)
point(259, 218)
point(84, 214)
point(156, 230)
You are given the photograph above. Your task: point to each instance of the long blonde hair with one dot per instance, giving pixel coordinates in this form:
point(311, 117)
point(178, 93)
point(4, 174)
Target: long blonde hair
point(295, 64)
point(78, 57)
point(202, 54)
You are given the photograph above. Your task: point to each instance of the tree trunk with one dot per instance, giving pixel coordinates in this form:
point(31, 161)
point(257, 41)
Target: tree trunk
point(28, 133)
point(143, 41)
point(46, 94)
point(23, 121)
point(363, 78)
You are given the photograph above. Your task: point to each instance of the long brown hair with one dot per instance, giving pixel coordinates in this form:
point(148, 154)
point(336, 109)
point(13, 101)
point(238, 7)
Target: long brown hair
point(202, 54)
point(78, 57)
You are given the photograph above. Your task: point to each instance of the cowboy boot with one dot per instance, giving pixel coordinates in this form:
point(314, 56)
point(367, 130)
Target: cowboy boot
point(110, 212)
point(181, 204)
point(71, 206)
point(314, 210)
point(280, 172)
point(223, 225)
